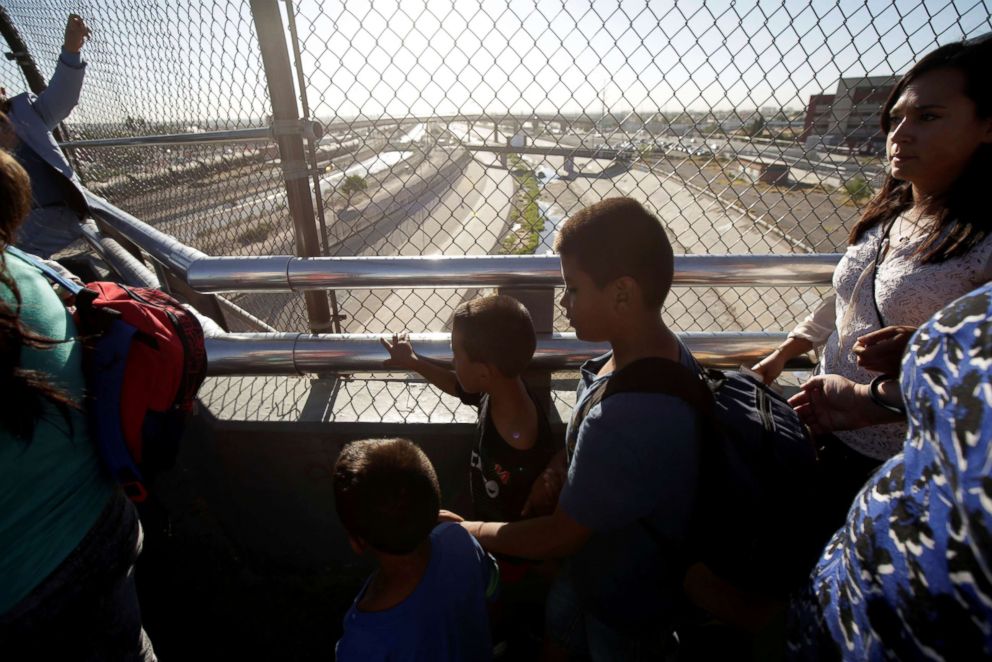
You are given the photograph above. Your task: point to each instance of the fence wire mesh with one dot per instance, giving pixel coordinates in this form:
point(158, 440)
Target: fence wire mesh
point(747, 127)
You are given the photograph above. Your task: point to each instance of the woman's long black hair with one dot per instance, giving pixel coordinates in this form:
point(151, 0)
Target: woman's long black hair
point(962, 212)
point(23, 392)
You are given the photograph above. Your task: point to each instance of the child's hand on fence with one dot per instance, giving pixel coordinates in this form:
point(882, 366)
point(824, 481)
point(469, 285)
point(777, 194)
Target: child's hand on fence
point(77, 33)
point(400, 352)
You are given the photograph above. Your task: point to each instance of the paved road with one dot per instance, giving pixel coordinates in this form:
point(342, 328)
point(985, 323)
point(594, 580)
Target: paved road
point(467, 220)
point(701, 224)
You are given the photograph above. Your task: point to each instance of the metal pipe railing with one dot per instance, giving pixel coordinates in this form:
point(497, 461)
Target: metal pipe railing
point(133, 272)
point(299, 353)
point(125, 265)
point(166, 250)
point(228, 274)
point(308, 128)
point(262, 134)
point(268, 273)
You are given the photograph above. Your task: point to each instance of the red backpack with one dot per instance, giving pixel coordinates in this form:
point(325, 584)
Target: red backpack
point(144, 360)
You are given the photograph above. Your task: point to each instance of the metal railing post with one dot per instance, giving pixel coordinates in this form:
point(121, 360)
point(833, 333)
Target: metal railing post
point(279, 77)
point(332, 296)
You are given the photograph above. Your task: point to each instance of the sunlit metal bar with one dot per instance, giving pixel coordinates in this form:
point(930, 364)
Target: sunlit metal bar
point(161, 247)
point(288, 273)
point(310, 129)
point(298, 353)
point(228, 274)
point(125, 265)
point(577, 151)
point(133, 272)
point(230, 308)
point(263, 134)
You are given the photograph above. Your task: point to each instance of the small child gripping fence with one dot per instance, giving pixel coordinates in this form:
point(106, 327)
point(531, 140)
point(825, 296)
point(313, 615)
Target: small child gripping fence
point(492, 341)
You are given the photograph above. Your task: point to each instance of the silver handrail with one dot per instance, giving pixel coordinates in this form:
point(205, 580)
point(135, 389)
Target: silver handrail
point(228, 274)
point(287, 273)
point(165, 250)
point(128, 267)
point(310, 129)
point(300, 353)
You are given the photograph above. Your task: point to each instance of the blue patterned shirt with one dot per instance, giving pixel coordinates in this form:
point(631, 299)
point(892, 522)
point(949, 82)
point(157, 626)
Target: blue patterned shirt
point(910, 574)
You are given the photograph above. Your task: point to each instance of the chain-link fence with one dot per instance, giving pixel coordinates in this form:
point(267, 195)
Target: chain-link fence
point(463, 129)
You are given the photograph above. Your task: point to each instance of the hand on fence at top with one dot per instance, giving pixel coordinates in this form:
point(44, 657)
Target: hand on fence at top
point(77, 33)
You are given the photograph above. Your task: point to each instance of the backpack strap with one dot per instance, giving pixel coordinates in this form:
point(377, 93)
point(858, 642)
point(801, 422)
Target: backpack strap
point(651, 375)
point(665, 377)
point(52, 274)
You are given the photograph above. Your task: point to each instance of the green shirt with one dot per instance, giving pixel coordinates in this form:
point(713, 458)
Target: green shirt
point(52, 489)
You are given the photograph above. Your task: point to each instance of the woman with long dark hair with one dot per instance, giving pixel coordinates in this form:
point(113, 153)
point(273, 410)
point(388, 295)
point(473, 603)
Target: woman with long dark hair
point(923, 241)
point(68, 535)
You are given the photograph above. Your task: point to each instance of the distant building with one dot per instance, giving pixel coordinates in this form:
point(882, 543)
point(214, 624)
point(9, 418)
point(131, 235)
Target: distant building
point(857, 111)
point(852, 115)
point(817, 122)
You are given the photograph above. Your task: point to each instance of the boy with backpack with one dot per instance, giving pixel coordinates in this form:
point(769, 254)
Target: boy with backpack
point(664, 479)
point(623, 516)
point(492, 341)
point(427, 598)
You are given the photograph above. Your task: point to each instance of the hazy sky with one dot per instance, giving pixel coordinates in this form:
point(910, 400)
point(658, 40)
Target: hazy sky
point(174, 60)
point(576, 55)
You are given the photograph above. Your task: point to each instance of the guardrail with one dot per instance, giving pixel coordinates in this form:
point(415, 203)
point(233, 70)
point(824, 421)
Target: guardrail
point(206, 273)
point(302, 353)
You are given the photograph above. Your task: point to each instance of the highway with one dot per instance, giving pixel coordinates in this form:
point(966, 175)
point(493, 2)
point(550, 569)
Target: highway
point(464, 212)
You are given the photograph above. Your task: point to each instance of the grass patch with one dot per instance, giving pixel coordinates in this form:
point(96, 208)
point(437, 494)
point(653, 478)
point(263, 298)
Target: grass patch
point(858, 189)
point(525, 219)
point(256, 233)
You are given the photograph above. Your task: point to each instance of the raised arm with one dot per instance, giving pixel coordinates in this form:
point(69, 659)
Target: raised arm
point(62, 94)
point(402, 357)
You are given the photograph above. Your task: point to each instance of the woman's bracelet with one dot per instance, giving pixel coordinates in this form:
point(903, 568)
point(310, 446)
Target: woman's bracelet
point(876, 397)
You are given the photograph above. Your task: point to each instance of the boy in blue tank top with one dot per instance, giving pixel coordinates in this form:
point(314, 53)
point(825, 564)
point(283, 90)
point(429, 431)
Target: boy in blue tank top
point(427, 598)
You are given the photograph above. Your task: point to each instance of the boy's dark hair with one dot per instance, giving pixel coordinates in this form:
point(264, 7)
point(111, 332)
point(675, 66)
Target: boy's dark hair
point(496, 330)
point(619, 237)
point(386, 493)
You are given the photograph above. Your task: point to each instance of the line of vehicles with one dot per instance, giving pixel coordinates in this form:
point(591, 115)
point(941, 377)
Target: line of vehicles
point(632, 148)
